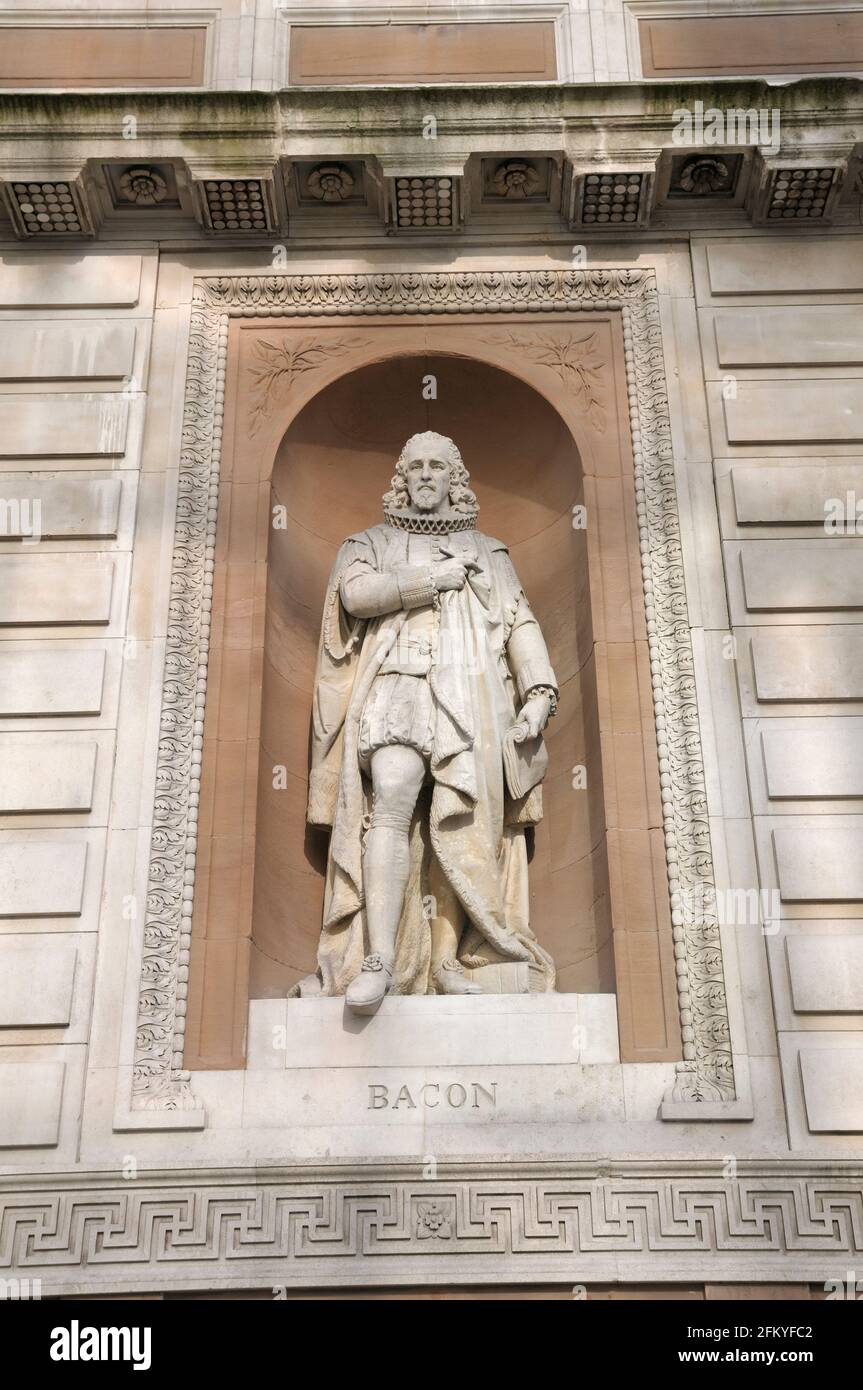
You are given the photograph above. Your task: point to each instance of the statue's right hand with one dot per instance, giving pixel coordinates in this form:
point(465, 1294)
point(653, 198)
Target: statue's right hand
point(450, 574)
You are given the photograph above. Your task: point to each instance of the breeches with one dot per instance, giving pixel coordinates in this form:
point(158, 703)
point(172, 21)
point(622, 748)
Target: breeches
point(398, 710)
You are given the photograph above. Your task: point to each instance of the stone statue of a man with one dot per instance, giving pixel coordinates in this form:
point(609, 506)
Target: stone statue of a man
point(432, 690)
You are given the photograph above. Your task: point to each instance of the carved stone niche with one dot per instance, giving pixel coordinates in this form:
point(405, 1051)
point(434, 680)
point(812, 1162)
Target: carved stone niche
point(133, 197)
point(331, 468)
point(692, 184)
point(333, 193)
point(553, 383)
point(328, 183)
point(142, 185)
point(518, 184)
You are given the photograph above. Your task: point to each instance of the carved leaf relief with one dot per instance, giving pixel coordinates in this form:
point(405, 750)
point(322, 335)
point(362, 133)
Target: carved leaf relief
point(575, 361)
point(277, 366)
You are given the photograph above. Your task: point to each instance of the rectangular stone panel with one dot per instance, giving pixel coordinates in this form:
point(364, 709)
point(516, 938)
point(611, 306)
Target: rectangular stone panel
point(36, 982)
point(72, 351)
point(43, 590)
point(781, 494)
point(803, 575)
point(819, 761)
point(728, 45)
point(41, 773)
point(63, 426)
point(55, 507)
point(794, 265)
point(833, 1089)
point(30, 1098)
point(351, 54)
point(41, 878)
point(492, 1029)
point(816, 865)
point(809, 664)
point(818, 335)
point(801, 412)
point(826, 973)
point(808, 999)
point(398, 1100)
point(55, 682)
point(30, 280)
point(72, 55)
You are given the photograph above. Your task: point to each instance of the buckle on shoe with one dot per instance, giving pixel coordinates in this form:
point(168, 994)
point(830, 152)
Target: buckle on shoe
point(375, 962)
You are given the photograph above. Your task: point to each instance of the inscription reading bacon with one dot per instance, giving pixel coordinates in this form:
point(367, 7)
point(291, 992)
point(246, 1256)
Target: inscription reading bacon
point(431, 1094)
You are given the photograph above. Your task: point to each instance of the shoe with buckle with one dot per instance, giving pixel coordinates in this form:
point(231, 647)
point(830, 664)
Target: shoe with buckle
point(366, 990)
point(451, 979)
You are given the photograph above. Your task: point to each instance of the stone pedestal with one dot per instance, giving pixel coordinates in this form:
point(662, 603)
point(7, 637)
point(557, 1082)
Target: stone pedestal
point(453, 1060)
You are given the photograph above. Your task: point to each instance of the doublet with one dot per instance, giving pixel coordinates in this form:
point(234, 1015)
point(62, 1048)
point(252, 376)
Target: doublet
point(397, 577)
point(416, 648)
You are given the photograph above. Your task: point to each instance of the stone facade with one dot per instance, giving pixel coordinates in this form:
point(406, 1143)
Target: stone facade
point(184, 275)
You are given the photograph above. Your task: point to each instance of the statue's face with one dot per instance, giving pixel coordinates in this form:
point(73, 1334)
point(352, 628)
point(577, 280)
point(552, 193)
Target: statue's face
point(428, 475)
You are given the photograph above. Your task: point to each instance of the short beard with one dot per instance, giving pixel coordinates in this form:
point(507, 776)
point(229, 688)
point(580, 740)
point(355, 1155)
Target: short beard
point(429, 503)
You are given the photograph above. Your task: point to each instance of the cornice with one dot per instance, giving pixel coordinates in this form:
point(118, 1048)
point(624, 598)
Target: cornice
point(215, 116)
point(578, 131)
point(400, 1169)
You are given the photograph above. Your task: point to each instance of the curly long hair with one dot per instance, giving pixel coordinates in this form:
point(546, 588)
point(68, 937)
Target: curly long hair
point(461, 497)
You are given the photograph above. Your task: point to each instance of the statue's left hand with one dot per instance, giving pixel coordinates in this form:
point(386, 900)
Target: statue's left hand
point(535, 714)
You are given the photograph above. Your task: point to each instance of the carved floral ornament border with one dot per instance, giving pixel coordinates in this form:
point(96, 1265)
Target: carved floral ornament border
point(706, 1073)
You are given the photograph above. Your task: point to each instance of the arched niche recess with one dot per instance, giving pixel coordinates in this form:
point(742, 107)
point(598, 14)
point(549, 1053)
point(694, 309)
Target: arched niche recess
point(598, 897)
point(334, 464)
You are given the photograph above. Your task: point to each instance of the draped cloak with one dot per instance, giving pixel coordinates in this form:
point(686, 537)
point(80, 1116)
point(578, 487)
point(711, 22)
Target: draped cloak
point(468, 849)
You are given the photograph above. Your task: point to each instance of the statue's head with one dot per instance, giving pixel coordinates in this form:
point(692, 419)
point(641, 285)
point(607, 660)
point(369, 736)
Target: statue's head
point(429, 475)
